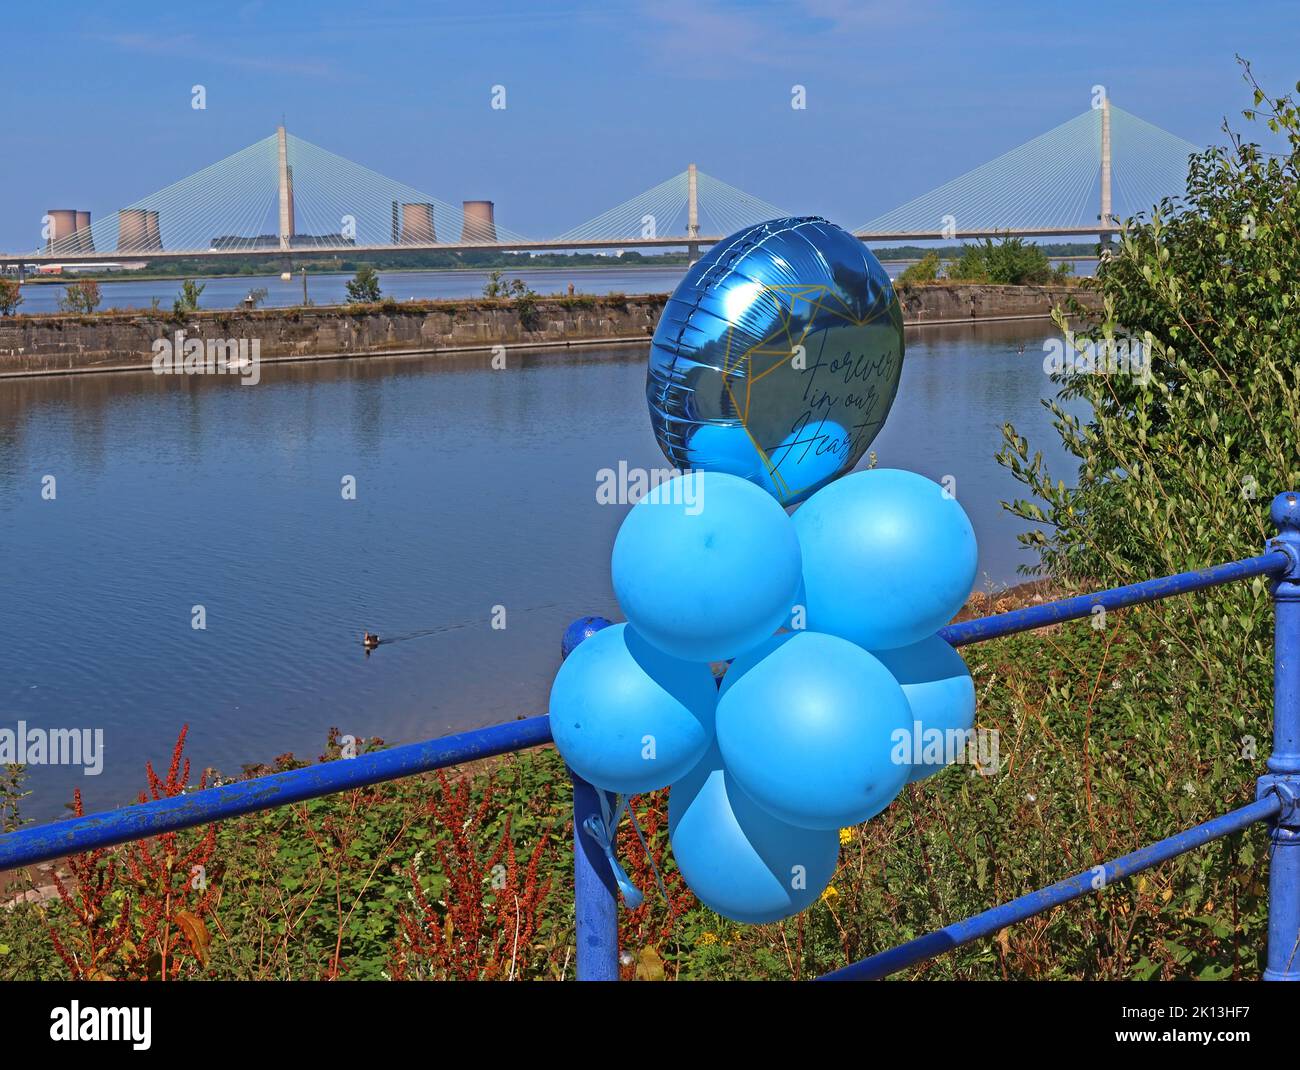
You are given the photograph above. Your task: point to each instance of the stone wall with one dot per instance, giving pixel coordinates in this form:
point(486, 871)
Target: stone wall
point(104, 341)
point(966, 301)
point(114, 341)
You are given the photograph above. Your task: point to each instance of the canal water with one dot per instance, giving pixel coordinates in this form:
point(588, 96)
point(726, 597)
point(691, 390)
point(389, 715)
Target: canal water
point(475, 496)
point(399, 285)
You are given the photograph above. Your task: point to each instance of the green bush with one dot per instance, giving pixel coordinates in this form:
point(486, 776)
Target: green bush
point(1010, 262)
point(1194, 398)
point(363, 288)
point(1183, 424)
point(11, 296)
point(188, 301)
point(924, 270)
point(81, 296)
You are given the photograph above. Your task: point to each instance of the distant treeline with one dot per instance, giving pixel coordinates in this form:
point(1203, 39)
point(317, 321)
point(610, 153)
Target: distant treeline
point(1052, 250)
point(416, 260)
point(385, 261)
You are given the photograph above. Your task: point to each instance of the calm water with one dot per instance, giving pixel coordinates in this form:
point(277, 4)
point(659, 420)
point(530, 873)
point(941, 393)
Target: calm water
point(475, 489)
point(400, 285)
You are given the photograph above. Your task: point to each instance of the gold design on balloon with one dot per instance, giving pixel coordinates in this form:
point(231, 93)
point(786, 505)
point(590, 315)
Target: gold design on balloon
point(821, 299)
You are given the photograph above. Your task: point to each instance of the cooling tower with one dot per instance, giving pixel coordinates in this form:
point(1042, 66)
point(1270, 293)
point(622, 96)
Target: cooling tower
point(85, 240)
point(63, 225)
point(137, 230)
point(479, 225)
point(131, 228)
point(417, 225)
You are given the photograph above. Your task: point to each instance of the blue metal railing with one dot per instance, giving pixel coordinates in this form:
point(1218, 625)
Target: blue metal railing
point(595, 895)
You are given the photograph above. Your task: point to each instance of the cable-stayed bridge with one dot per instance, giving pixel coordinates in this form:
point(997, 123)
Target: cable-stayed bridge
point(1079, 178)
point(283, 198)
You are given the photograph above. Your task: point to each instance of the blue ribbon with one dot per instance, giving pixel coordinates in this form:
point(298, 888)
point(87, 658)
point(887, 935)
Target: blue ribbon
point(649, 857)
point(601, 829)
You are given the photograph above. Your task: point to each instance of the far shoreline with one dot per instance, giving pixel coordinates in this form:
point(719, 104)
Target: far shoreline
point(62, 344)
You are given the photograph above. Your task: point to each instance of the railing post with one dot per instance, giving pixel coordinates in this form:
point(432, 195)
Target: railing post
point(595, 897)
point(1283, 777)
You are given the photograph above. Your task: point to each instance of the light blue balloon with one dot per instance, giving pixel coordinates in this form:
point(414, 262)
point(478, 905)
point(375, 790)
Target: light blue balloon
point(941, 693)
point(805, 458)
point(737, 858)
point(807, 724)
point(888, 558)
point(705, 566)
point(797, 619)
point(725, 448)
point(627, 717)
point(802, 459)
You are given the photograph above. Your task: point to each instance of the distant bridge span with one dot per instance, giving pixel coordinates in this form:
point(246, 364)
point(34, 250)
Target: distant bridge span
point(667, 242)
point(282, 200)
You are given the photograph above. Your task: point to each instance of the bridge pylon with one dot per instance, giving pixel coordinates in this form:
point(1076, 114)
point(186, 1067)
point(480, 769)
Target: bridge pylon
point(286, 188)
point(1105, 171)
point(692, 213)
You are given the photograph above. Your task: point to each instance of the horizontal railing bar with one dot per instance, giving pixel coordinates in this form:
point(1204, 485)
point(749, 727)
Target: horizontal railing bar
point(991, 921)
point(1023, 620)
point(44, 842)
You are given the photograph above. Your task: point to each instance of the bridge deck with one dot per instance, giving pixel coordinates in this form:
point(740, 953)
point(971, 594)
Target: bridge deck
point(351, 251)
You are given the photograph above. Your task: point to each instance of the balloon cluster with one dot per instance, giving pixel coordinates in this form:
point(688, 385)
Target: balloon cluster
point(837, 676)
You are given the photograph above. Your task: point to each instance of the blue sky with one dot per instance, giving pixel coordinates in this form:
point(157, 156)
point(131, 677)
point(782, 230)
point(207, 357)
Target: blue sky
point(604, 99)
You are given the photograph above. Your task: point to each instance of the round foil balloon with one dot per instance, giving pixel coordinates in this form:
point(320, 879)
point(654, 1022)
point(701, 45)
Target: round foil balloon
point(777, 357)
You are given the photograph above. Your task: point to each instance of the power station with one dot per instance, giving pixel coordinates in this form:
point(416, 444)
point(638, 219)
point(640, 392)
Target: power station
point(140, 229)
